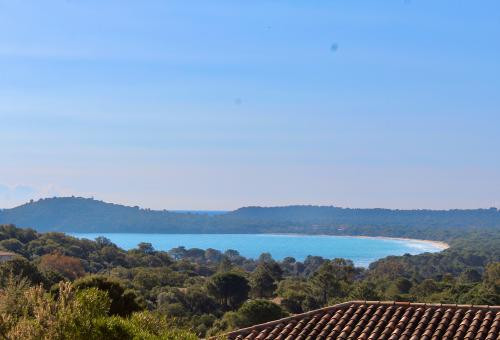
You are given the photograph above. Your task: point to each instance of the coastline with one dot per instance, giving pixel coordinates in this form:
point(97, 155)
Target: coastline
point(438, 244)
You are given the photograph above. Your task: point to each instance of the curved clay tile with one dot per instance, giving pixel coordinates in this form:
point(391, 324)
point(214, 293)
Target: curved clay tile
point(375, 320)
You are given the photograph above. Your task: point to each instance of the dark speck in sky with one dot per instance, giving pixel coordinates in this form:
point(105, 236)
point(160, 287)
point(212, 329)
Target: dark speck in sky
point(334, 47)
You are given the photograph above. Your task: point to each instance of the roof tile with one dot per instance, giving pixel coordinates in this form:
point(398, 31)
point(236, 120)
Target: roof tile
point(375, 320)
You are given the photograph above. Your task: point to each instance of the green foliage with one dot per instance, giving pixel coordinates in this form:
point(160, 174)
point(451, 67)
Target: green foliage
point(262, 282)
point(97, 302)
point(70, 316)
point(12, 244)
point(492, 274)
point(205, 290)
point(259, 311)
point(474, 251)
point(294, 302)
point(9, 231)
point(145, 248)
point(403, 285)
point(12, 299)
point(298, 295)
point(190, 302)
point(250, 313)
point(147, 325)
point(229, 289)
point(326, 282)
point(141, 326)
point(123, 302)
point(364, 290)
point(21, 267)
point(470, 275)
point(113, 328)
point(398, 290)
point(88, 215)
point(32, 314)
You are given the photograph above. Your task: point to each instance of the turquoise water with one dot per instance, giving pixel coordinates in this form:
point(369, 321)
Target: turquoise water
point(361, 250)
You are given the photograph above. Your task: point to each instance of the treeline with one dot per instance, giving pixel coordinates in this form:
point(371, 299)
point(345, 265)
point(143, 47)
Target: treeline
point(74, 214)
point(190, 293)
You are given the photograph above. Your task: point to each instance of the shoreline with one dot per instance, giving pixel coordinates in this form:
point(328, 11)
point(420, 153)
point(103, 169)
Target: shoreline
point(438, 244)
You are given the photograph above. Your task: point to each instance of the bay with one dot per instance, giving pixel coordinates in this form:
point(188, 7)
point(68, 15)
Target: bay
point(361, 250)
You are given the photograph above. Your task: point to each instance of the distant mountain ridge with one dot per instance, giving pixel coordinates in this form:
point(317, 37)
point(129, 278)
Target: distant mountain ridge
point(76, 214)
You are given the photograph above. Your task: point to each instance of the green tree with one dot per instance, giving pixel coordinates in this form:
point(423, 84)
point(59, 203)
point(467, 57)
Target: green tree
point(21, 267)
point(342, 269)
point(78, 315)
point(254, 312)
point(426, 288)
point(229, 289)
point(470, 275)
point(293, 302)
point(198, 302)
point(297, 295)
point(104, 242)
point(12, 300)
point(225, 265)
point(492, 274)
point(326, 282)
point(12, 244)
point(262, 282)
point(399, 289)
point(403, 285)
point(364, 290)
point(123, 302)
point(146, 248)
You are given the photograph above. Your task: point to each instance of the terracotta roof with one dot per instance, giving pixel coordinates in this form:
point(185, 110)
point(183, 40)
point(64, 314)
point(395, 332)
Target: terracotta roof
point(382, 320)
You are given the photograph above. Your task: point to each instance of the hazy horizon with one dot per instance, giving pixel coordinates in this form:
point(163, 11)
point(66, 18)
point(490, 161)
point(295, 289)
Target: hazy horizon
point(229, 210)
point(217, 105)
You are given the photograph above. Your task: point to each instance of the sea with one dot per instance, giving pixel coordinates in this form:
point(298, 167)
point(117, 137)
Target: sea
point(361, 250)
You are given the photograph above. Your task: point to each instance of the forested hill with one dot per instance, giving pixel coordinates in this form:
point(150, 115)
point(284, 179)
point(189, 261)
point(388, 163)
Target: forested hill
point(74, 214)
point(328, 214)
point(87, 215)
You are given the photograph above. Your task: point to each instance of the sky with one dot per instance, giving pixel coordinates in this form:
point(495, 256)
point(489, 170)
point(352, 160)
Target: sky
point(222, 104)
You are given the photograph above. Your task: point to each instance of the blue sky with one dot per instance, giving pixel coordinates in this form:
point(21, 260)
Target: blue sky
point(221, 104)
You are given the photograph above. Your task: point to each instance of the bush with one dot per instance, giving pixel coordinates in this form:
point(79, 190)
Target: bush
point(123, 302)
point(12, 245)
point(230, 289)
point(293, 303)
point(68, 267)
point(29, 313)
point(258, 311)
point(113, 328)
point(20, 267)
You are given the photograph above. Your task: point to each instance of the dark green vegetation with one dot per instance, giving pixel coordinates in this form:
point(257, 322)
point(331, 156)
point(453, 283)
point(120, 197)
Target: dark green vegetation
point(60, 287)
point(87, 215)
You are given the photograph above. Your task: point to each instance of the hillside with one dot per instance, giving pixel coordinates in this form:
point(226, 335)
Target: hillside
point(74, 214)
point(84, 214)
point(381, 217)
point(149, 287)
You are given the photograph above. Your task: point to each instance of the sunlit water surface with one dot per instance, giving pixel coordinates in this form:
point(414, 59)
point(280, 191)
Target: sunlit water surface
point(362, 251)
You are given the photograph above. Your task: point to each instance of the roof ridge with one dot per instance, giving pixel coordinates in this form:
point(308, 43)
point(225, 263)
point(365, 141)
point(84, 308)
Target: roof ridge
point(347, 304)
